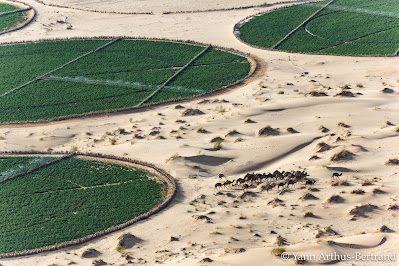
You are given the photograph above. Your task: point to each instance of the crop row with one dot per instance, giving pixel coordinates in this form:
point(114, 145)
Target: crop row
point(72, 199)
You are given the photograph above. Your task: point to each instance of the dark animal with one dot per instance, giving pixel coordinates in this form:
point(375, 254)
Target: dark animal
point(281, 184)
point(336, 175)
point(221, 175)
point(218, 186)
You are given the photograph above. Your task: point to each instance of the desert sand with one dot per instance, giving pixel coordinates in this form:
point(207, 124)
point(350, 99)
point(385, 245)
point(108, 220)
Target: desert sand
point(241, 228)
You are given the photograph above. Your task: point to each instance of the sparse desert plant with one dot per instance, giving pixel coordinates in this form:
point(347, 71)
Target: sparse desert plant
point(281, 92)
point(120, 248)
point(291, 130)
point(249, 121)
point(160, 137)
point(220, 109)
point(268, 131)
point(358, 191)
point(367, 182)
point(308, 214)
point(335, 199)
point(232, 132)
point(202, 130)
point(112, 141)
point(277, 251)
point(239, 139)
point(392, 162)
point(218, 145)
point(342, 124)
point(378, 190)
point(342, 156)
point(171, 157)
point(74, 148)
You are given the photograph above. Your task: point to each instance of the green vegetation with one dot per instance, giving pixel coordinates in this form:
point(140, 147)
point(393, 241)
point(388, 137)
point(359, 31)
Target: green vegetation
point(117, 76)
point(346, 27)
point(9, 20)
point(10, 166)
point(71, 199)
point(277, 251)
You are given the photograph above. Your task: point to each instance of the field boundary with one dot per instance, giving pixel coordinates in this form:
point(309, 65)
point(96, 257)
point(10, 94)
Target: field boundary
point(240, 23)
point(300, 25)
point(60, 67)
point(174, 75)
point(29, 17)
point(257, 67)
point(15, 11)
point(151, 168)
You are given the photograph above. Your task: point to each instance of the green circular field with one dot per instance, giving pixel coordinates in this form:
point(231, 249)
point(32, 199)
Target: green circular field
point(69, 199)
point(52, 79)
point(344, 27)
point(9, 19)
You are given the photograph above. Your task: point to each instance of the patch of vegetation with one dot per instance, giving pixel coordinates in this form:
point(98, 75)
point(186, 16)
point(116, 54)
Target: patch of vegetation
point(49, 205)
point(106, 79)
point(348, 27)
point(277, 251)
point(342, 156)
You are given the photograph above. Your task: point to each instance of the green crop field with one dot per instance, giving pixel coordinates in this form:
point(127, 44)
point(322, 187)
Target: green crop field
point(10, 166)
point(10, 20)
point(70, 199)
point(118, 76)
point(346, 27)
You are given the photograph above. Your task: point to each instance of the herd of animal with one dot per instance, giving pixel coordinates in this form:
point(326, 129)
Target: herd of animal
point(276, 179)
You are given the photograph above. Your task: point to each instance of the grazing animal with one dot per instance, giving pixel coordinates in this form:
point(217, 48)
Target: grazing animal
point(227, 183)
point(220, 175)
point(336, 175)
point(245, 186)
point(281, 184)
point(218, 186)
point(291, 182)
point(240, 181)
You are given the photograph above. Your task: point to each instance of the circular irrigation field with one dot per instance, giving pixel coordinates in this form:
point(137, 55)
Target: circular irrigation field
point(340, 27)
point(10, 16)
point(49, 202)
point(53, 80)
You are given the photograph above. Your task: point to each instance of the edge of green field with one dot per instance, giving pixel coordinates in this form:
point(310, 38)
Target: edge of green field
point(370, 29)
point(57, 209)
point(199, 85)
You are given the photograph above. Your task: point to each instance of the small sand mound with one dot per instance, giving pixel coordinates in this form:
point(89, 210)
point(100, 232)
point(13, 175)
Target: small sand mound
point(268, 131)
point(344, 93)
point(385, 229)
point(387, 90)
point(392, 162)
point(323, 147)
point(204, 260)
point(99, 263)
point(323, 129)
point(128, 240)
point(180, 107)
point(276, 202)
point(317, 94)
point(216, 139)
point(202, 217)
point(281, 241)
point(393, 207)
point(335, 199)
point(192, 112)
point(292, 130)
point(232, 133)
point(90, 253)
point(362, 210)
point(309, 196)
point(343, 155)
